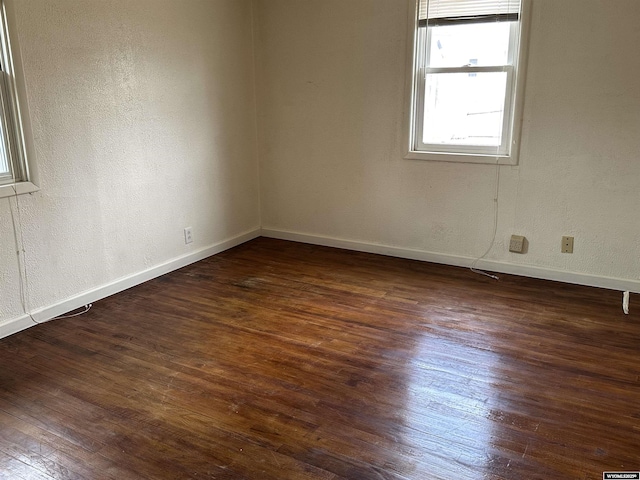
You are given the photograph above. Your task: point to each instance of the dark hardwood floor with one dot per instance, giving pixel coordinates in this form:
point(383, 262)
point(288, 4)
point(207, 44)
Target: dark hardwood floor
point(278, 360)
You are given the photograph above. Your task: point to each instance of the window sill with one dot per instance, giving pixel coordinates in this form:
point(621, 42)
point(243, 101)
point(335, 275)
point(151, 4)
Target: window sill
point(461, 158)
point(17, 189)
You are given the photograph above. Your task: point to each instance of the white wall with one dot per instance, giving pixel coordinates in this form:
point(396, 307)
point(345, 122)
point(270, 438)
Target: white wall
point(143, 118)
point(331, 96)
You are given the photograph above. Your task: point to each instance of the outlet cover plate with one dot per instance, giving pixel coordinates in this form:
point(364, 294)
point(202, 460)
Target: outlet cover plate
point(188, 235)
point(517, 243)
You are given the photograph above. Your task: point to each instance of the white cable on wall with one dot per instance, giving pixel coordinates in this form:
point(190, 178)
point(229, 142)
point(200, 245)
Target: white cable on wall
point(16, 222)
point(23, 274)
point(495, 228)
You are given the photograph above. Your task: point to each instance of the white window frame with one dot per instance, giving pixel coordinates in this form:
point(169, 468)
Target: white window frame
point(507, 153)
point(15, 133)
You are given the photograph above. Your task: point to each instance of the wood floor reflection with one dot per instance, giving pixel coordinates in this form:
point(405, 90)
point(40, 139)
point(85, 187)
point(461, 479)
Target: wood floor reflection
point(278, 360)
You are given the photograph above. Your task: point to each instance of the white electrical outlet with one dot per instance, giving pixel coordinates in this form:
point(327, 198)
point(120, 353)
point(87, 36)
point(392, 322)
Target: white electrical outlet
point(188, 235)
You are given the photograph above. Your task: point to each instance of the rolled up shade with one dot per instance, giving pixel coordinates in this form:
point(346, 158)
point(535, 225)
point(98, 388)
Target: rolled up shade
point(442, 12)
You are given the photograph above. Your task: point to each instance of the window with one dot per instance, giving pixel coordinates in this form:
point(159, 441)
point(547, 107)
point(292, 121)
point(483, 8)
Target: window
point(465, 103)
point(15, 176)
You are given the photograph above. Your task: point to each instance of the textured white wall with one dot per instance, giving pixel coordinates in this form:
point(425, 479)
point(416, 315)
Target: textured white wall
point(330, 104)
point(143, 119)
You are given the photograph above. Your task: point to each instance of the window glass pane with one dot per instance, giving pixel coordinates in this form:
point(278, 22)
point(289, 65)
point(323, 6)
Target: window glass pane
point(4, 162)
point(464, 108)
point(481, 44)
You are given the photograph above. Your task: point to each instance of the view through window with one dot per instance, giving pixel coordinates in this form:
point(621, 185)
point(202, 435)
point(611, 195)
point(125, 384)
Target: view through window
point(466, 60)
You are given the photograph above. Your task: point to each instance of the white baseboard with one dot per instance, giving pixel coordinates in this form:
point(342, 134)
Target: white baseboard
point(460, 261)
point(45, 314)
point(15, 325)
point(9, 327)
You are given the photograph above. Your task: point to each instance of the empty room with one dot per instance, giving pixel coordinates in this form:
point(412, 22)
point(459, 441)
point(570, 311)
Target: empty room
point(320, 239)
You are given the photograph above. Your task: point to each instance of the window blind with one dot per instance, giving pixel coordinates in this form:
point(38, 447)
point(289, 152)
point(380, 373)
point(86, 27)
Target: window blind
point(442, 12)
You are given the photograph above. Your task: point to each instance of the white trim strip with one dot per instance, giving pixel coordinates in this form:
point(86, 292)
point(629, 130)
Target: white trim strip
point(45, 314)
point(460, 261)
point(15, 325)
